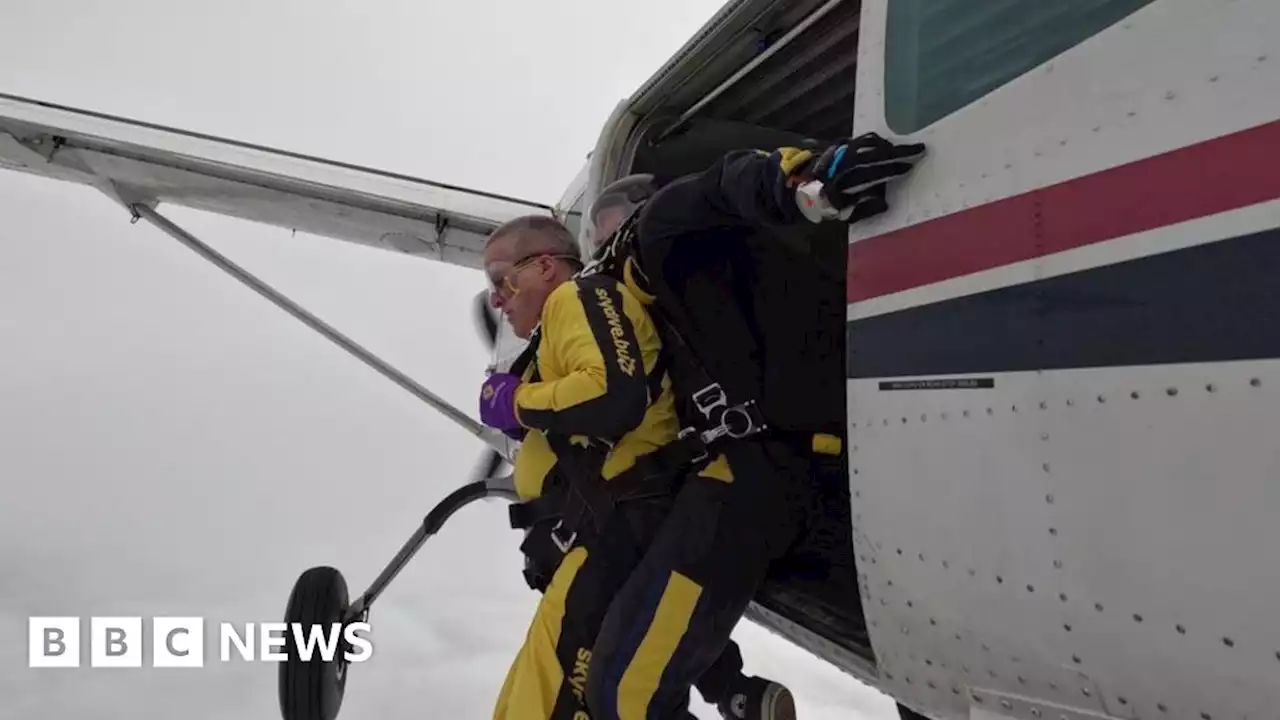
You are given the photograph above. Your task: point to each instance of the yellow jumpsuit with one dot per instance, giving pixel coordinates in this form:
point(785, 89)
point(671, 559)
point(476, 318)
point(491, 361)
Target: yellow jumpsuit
point(597, 347)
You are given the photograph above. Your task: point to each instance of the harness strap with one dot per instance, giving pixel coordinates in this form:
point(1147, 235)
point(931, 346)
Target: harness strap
point(526, 514)
point(554, 520)
point(542, 558)
point(654, 381)
point(657, 473)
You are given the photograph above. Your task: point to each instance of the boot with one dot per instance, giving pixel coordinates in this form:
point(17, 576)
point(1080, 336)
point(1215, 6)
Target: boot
point(754, 698)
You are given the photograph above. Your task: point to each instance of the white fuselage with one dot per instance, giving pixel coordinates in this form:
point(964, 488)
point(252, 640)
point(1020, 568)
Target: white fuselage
point(1089, 523)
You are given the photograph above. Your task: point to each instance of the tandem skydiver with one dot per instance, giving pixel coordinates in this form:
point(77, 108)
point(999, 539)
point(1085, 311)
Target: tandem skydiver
point(594, 409)
point(741, 313)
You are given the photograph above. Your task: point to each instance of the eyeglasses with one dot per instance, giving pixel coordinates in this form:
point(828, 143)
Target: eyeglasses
point(503, 287)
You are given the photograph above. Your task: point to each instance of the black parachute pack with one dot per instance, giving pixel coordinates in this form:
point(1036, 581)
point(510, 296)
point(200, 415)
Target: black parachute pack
point(755, 302)
point(739, 368)
point(753, 320)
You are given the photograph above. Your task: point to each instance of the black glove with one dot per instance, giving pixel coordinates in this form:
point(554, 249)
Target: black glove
point(864, 204)
point(853, 174)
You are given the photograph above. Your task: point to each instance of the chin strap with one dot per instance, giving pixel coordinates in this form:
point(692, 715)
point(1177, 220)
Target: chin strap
point(610, 255)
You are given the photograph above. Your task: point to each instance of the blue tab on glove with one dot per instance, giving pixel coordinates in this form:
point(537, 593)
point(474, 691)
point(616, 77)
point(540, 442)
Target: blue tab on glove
point(498, 402)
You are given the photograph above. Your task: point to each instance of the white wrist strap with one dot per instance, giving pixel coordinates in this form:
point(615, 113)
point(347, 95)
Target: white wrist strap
point(813, 205)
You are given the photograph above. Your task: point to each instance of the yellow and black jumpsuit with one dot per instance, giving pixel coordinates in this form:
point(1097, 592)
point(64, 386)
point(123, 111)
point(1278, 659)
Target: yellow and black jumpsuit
point(597, 347)
point(712, 250)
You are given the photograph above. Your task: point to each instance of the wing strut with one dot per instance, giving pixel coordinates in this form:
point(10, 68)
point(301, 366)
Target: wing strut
point(492, 438)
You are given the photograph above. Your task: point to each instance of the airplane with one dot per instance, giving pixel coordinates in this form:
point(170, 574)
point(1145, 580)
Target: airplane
point(1062, 345)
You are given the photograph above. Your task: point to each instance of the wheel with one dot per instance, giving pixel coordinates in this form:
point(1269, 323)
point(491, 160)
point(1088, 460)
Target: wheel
point(313, 689)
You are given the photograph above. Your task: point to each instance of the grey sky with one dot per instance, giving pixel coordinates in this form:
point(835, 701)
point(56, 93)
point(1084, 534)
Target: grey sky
point(172, 444)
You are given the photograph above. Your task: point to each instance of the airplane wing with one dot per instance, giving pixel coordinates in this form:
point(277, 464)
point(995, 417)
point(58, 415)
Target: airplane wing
point(137, 162)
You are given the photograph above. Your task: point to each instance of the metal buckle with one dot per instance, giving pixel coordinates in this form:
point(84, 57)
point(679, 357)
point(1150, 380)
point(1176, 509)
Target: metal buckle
point(702, 454)
point(737, 422)
point(705, 406)
point(564, 545)
point(748, 421)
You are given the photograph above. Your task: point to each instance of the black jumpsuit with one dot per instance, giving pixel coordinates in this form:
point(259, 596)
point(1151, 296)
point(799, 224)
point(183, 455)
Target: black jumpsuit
point(716, 249)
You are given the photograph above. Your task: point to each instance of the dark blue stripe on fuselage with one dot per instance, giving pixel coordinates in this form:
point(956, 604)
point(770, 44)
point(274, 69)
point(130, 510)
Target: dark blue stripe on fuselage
point(1211, 303)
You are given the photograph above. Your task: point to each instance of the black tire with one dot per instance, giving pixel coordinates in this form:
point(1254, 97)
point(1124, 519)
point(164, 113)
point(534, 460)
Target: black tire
point(313, 689)
point(486, 319)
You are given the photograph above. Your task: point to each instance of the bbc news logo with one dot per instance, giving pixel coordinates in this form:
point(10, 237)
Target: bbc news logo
point(178, 642)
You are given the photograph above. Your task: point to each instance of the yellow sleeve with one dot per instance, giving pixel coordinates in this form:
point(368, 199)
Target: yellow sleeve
point(587, 330)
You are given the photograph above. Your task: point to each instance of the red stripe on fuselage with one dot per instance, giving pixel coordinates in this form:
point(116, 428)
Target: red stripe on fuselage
point(1217, 175)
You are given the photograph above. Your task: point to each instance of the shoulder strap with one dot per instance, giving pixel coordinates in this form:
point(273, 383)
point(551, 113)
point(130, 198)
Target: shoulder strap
point(610, 256)
point(583, 470)
point(673, 342)
point(659, 371)
point(526, 356)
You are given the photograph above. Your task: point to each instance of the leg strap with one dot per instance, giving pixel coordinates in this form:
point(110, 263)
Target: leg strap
point(554, 520)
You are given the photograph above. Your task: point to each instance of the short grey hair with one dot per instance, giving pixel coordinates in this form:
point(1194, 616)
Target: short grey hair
point(537, 233)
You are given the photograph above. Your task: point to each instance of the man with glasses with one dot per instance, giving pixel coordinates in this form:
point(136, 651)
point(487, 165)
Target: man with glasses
point(591, 403)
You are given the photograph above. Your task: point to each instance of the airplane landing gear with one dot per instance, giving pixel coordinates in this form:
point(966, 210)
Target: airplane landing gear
point(313, 688)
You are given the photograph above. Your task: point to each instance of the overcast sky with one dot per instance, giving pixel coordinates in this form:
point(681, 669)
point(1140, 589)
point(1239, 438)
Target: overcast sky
point(173, 444)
